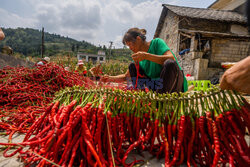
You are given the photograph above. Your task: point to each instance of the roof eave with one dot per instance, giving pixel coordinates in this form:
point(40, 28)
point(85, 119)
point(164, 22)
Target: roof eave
point(227, 21)
point(213, 4)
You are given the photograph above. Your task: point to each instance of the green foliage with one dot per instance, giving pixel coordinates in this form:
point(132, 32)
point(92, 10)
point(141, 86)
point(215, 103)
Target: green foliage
point(110, 68)
point(114, 68)
point(122, 55)
point(28, 41)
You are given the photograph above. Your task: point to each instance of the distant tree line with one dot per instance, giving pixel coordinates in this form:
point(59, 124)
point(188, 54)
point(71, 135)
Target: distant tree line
point(27, 41)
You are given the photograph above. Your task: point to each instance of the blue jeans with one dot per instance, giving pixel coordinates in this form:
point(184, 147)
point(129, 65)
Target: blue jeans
point(171, 78)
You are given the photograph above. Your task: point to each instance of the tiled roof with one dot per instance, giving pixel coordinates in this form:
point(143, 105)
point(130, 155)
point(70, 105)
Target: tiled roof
point(210, 14)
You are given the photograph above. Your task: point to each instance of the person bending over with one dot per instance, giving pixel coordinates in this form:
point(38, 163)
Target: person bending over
point(155, 66)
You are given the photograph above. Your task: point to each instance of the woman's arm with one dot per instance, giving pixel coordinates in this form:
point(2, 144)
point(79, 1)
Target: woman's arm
point(117, 78)
point(159, 59)
point(91, 70)
point(95, 71)
point(2, 36)
point(237, 77)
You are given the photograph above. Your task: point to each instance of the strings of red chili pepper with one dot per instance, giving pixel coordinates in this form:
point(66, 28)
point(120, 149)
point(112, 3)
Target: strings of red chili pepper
point(72, 136)
point(24, 92)
point(137, 66)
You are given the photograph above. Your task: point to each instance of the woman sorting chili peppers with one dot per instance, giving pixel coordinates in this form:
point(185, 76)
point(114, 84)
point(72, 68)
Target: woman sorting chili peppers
point(81, 68)
point(155, 66)
point(96, 71)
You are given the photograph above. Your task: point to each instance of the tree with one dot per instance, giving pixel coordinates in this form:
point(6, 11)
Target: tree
point(73, 48)
point(77, 47)
point(27, 41)
point(104, 48)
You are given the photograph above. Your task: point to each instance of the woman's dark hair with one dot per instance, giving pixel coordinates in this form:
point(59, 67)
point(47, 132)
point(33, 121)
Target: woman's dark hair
point(132, 33)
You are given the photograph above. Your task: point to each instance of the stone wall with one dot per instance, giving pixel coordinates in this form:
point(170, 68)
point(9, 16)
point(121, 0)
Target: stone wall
point(214, 72)
point(169, 31)
point(228, 50)
point(200, 69)
point(222, 49)
point(187, 63)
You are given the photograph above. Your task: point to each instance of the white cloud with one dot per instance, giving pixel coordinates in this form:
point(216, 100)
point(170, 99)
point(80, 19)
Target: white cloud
point(118, 41)
point(124, 15)
point(120, 12)
point(69, 18)
point(95, 21)
point(12, 20)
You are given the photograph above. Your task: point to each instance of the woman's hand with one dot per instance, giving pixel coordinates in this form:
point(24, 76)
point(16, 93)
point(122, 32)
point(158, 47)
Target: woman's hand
point(139, 56)
point(105, 78)
point(95, 71)
point(92, 74)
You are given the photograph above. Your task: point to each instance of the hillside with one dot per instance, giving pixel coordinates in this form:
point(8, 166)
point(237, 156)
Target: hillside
point(27, 41)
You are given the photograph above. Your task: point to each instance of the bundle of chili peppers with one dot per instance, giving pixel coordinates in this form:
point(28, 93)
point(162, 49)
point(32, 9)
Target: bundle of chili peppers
point(78, 133)
point(188, 128)
point(100, 127)
point(21, 86)
point(24, 92)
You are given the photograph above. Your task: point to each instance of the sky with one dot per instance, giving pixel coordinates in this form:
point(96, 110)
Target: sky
point(94, 21)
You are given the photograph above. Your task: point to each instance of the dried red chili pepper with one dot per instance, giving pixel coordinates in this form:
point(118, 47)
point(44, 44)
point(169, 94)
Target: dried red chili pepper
point(131, 147)
point(190, 144)
point(179, 140)
point(87, 136)
point(216, 144)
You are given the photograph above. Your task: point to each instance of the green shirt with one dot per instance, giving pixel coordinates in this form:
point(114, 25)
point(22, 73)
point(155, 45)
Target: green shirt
point(152, 69)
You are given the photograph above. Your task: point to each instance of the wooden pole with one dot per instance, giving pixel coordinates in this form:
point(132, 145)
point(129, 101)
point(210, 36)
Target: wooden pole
point(110, 47)
point(68, 59)
point(42, 48)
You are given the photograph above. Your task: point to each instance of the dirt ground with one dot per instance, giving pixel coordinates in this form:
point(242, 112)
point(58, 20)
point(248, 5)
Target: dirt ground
point(15, 162)
point(8, 60)
point(12, 161)
point(149, 160)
